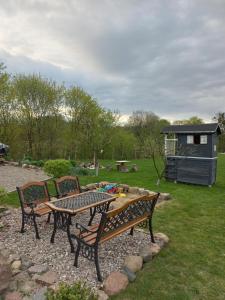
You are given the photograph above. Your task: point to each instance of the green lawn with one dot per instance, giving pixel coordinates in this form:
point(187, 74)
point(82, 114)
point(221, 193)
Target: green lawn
point(192, 266)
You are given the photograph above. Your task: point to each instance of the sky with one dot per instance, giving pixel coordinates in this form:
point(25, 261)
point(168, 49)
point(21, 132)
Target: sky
point(164, 56)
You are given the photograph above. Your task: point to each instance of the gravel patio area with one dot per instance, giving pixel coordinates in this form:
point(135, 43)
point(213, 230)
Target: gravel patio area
point(58, 257)
point(11, 176)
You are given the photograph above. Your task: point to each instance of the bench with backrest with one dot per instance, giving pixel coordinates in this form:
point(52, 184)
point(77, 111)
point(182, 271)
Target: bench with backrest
point(33, 197)
point(113, 223)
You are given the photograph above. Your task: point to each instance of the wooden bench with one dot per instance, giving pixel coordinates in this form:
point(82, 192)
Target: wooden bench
point(137, 211)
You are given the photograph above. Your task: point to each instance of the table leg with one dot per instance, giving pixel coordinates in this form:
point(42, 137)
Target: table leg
point(68, 233)
point(55, 215)
point(92, 213)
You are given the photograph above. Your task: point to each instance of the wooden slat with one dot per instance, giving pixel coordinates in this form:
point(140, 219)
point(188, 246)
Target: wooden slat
point(122, 229)
point(116, 211)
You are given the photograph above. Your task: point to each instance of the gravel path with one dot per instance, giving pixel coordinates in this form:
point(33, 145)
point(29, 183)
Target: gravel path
point(58, 257)
point(11, 176)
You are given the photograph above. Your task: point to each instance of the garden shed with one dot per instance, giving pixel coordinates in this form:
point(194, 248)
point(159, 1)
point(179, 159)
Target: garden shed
point(191, 153)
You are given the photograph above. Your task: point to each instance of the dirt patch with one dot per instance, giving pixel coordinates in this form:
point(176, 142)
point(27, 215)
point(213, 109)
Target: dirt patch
point(11, 177)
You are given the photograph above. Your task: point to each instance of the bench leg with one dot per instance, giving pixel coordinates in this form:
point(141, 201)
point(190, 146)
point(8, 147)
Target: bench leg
point(77, 255)
point(150, 230)
point(132, 231)
point(36, 228)
point(97, 265)
point(23, 224)
point(49, 217)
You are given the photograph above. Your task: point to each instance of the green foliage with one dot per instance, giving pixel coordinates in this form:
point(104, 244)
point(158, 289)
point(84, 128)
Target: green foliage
point(37, 163)
point(73, 162)
point(79, 171)
point(77, 291)
point(3, 195)
point(57, 167)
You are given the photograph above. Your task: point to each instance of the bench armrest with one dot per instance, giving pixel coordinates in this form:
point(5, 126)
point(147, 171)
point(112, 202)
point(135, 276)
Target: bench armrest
point(83, 229)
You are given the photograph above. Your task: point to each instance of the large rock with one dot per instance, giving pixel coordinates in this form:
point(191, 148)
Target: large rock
point(161, 239)
point(146, 253)
point(155, 249)
point(38, 269)
point(91, 186)
point(5, 273)
point(26, 263)
point(164, 197)
point(115, 283)
point(13, 296)
point(27, 287)
point(130, 275)
point(143, 192)
point(133, 262)
point(125, 187)
point(16, 265)
point(40, 294)
point(134, 190)
point(102, 295)
point(48, 278)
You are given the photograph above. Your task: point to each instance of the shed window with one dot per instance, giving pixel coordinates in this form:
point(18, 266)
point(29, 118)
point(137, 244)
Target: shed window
point(190, 139)
point(203, 139)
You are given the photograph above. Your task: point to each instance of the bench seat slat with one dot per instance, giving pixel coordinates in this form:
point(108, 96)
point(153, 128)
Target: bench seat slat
point(90, 237)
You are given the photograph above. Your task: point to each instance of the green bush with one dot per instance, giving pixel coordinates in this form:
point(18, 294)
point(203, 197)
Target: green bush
point(3, 195)
point(77, 291)
point(57, 167)
point(79, 171)
point(73, 162)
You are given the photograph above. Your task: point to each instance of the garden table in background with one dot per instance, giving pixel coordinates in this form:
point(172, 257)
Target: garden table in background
point(121, 165)
point(64, 208)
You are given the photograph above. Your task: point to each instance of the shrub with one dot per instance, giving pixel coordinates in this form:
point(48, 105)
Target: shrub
point(57, 167)
point(73, 162)
point(3, 195)
point(79, 171)
point(77, 291)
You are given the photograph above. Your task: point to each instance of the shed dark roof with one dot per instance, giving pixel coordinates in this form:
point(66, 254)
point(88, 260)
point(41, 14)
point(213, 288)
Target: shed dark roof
point(200, 128)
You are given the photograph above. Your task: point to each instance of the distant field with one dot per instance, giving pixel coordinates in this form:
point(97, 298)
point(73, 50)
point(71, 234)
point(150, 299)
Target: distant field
point(193, 265)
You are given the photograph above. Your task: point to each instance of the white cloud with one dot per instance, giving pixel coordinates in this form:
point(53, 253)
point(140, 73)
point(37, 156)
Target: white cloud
point(167, 57)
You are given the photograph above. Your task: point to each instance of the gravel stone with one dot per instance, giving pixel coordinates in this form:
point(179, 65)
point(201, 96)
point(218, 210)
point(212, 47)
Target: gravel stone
point(58, 258)
point(12, 176)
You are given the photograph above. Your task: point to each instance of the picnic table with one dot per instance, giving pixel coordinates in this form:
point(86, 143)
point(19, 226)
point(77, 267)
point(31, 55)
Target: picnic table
point(64, 208)
point(121, 165)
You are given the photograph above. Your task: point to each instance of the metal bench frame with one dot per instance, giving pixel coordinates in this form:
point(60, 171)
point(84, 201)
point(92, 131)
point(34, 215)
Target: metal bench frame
point(138, 211)
point(31, 195)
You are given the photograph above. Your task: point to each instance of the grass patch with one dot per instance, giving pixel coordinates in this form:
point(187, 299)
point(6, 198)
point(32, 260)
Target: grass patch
point(193, 265)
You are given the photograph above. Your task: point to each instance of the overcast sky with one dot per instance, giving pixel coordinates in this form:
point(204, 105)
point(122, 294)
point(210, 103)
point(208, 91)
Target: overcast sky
point(162, 56)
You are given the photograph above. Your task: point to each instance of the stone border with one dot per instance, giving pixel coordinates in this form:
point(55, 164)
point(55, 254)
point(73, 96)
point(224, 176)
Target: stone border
point(117, 281)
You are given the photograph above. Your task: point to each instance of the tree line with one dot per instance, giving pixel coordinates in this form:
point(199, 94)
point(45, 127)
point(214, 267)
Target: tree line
point(45, 120)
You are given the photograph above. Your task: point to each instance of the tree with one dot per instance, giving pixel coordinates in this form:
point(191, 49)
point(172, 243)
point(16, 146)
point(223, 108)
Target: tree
point(220, 118)
point(37, 99)
point(191, 121)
